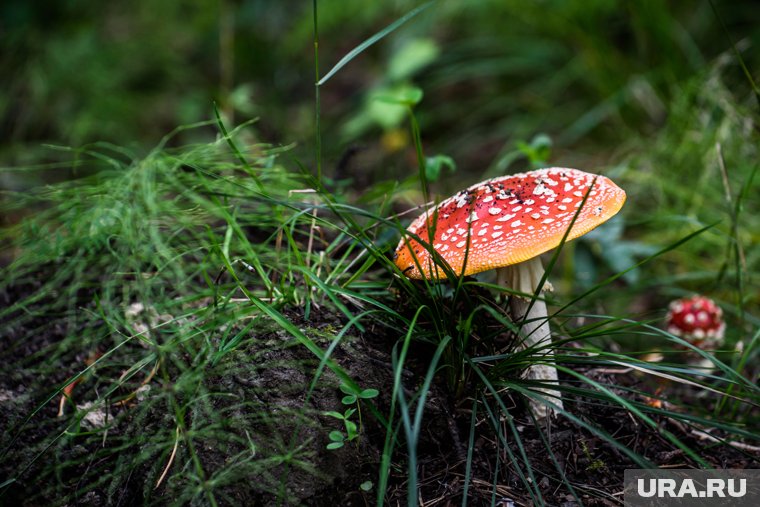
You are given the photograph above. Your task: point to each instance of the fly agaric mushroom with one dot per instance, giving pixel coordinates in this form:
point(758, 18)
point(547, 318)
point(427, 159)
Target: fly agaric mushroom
point(698, 320)
point(504, 224)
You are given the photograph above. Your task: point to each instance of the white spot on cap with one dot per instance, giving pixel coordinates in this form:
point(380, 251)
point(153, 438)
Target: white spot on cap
point(517, 208)
point(689, 318)
point(548, 221)
point(496, 234)
point(494, 210)
point(506, 217)
point(578, 193)
point(461, 231)
point(568, 187)
point(497, 227)
point(461, 244)
point(535, 216)
point(482, 232)
point(567, 199)
point(562, 207)
point(473, 217)
point(516, 223)
point(488, 198)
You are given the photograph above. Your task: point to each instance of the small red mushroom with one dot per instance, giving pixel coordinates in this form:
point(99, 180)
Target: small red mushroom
point(698, 320)
point(505, 224)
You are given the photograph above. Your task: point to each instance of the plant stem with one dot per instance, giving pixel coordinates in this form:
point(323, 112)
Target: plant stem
point(317, 102)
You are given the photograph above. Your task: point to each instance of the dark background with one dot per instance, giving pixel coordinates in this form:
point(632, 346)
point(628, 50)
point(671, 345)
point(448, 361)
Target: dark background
point(592, 75)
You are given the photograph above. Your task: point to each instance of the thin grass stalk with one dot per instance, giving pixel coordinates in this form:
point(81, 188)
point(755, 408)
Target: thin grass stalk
point(553, 458)
point(470, 448)
point(390, 436)
point(412, 428)
point(528, 482)
point(317, 98)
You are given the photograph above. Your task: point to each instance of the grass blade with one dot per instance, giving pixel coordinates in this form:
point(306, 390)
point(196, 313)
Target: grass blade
point(367, 43)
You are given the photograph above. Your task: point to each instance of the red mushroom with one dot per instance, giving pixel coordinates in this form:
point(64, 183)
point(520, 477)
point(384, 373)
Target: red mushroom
point(698, 320)
point(505, 223)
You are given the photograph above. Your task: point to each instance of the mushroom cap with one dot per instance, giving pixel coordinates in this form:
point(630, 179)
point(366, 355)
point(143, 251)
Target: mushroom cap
point(508, 220)
point(697, 320)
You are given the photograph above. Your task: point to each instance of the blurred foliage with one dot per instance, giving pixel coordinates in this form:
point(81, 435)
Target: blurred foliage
point(435, 165)
point(587, 73)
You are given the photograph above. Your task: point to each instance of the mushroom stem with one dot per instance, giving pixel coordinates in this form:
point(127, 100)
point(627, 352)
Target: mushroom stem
point(534, 325)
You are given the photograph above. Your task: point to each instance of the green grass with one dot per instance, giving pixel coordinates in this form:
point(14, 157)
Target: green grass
point(232, 247)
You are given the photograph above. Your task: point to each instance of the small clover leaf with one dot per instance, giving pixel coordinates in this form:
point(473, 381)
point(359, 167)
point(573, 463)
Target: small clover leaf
point(368, 393)
point(351, 429)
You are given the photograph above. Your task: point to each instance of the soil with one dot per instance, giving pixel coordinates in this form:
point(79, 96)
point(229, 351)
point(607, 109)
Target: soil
point(262, 409)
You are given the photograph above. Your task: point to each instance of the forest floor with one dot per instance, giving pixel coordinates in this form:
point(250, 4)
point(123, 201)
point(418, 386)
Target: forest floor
point(591, 465)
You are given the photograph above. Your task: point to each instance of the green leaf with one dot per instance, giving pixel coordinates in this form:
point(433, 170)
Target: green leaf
point(400, 95)
point(334, 445)
point(366, 486)
point(334, 414)
point(368, 393)
point(380, 112)
point(538, 151)
point(348, 413)
point(434, 166)
point(413, 56)
point(336, 436)
point(349, 400)
point(352, 430)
